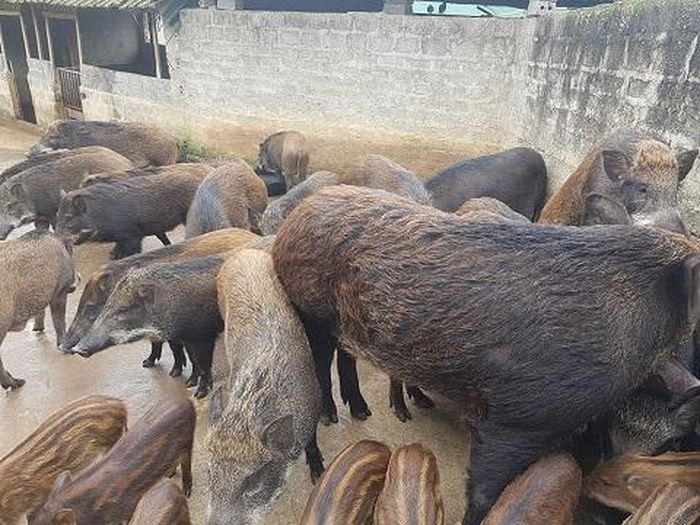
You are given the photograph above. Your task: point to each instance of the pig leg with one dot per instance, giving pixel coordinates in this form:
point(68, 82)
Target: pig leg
point(154, 356)
point(498, 455)
point(202, 352)
point(58, 316)
point(323, 346)
point(418, 397)
point(162, 237)
point(194, 376)
point(6, 379)
point(180, 360)
point(350, 386)
point(314, 459)
point(397, 401)
point(39, 322)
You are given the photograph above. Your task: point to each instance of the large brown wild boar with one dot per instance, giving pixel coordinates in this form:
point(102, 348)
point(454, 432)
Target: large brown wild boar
point(69, 440)
point(275, 400)
point(545, 494)
point(625, 482)
point(143, 144)
point(285, 153)
point(164, 504)
point(104, 280)
point(631, 168)
point(35, 193)
point(534, 329)
point(348, 490)
point(232, 196)
point(42, 158)
point(108, 491)
point(411, 493)
point(37, 272)
point(671, 504)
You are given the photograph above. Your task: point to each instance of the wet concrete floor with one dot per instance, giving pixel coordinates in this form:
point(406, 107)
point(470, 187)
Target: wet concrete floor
point(54, 379)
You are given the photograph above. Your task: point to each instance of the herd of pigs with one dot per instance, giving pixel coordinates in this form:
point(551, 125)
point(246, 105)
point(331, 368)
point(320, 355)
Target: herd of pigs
point(563, 330)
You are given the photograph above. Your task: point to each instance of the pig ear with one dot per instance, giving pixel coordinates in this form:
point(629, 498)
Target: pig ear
point(692, 284)
point(217, 403)
point(599, 209)
point(61, 481)
point(17, 191)
point(147, 292)
point(686, 159)
point(614, 164)
point(65, 517)
point(78, 203)
point(278, 435)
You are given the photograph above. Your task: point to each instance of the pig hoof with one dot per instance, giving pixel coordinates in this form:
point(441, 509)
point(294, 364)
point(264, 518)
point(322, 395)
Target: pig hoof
point(316, 473)
point(402, 414)
point(191, 381)
point(327, 419)
point(362, 413)
point(422, 401)
point(38, 328)
point(175, 372)
point(12, 383)
point(201, 392)
point(148, 362)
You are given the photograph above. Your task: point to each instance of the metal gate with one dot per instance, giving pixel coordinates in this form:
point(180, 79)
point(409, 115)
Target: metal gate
point(69, 84)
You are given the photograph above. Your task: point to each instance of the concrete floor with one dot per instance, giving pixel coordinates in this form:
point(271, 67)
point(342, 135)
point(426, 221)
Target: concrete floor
point(54, 379)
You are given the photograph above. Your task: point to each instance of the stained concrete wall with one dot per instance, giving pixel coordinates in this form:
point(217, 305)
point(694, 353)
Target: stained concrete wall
point(555, 83)
point(41, 84)
point(6, 108)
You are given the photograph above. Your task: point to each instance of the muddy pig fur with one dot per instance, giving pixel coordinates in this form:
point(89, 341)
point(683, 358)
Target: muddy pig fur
point(127, 211)
point(670, 504)
point(377, 172)
point(516, 177)
point(70, 439)
point(42, 158)
point(484, 207)
point(634, 170)
point(285, 153)
point(625, 482)
point(275, 400)
point(141, 143)
point(469, 329)
point(348, 490)
point(116, 176)
point(170, 301)
point(411, 493)
point(164, 504)
point(108, 491)
point(545, 494)
point(35, 193)
point(104, 280)
point(232, 196)
point(278, 210)
point(38, 272)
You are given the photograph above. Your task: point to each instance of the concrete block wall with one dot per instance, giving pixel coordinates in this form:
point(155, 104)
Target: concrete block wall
point(41, 83)
point(6, 107)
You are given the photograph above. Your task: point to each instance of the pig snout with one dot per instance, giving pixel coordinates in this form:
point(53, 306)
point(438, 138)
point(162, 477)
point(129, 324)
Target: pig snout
point(38, 149)
point(91, 344)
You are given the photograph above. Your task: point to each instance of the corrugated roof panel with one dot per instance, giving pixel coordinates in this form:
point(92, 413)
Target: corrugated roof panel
point(94, 4)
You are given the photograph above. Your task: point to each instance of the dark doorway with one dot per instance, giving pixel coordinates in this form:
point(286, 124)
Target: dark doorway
point(16, 57)
point(66, 61)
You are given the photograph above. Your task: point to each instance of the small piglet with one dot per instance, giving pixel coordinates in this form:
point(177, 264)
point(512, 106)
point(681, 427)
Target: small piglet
point(625, 482)
point(69, 440)
point(545, 494)
point(670, 504)
point(348, 490)
point(164, 504)
point(275, 400)
point(411, 493)
point(108, 491)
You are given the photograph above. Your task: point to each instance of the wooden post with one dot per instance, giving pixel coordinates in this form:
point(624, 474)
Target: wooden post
point(80, 43)
point(154, 42)
point(24, 35)
point(39, 47)
point(48, 39)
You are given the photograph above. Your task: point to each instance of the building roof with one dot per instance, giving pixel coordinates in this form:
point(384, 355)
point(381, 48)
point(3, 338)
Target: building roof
point(155, 5)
